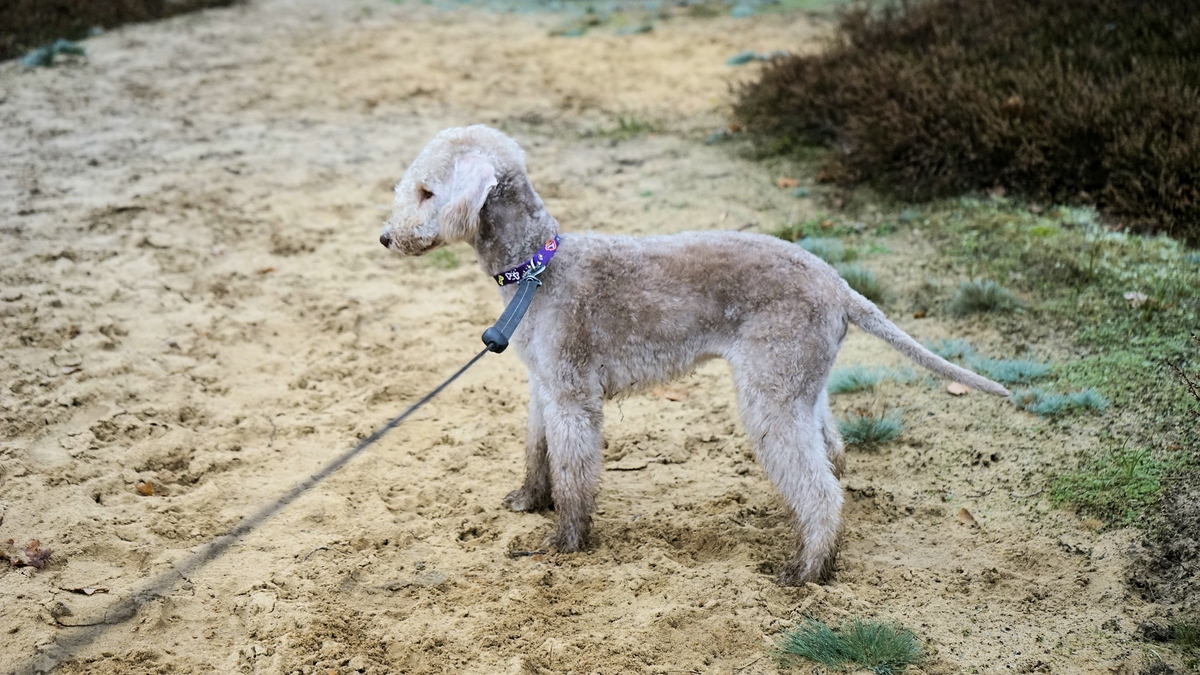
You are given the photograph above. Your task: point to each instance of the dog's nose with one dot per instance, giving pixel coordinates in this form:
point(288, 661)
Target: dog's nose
point(385, 240)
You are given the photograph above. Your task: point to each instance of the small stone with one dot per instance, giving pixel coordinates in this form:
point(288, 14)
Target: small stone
point(358, 663)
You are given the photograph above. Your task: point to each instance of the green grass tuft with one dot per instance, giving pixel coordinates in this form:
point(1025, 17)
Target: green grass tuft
point(878, 647)
point(861, 378)
point(1186, 634)
point(951, 349)
point(862, 280)
point(631, 126)
point(1046, 404)
point(1117, 486)
point(443, 259)
point(1008, 372)
point(828, 249)
point(869, 429)
point(978, 296)
point(855, 378)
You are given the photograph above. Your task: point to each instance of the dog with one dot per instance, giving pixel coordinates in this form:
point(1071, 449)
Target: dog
point(618, 314)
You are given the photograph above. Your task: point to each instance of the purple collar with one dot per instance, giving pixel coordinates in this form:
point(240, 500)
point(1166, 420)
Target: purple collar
point(532, 266)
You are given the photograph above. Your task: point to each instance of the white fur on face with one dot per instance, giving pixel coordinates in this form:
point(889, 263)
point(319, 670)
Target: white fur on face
point(439, 199)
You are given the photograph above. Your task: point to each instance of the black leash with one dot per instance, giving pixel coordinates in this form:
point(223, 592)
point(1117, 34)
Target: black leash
point(496, 338)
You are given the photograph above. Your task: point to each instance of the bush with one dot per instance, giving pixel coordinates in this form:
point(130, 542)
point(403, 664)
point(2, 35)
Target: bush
point(1085, 100)
point(869, 645)
point(982, 296)
point(26, 24)
point(868, 429)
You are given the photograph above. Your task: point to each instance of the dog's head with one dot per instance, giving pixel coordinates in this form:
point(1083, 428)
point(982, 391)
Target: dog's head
point(439, 199)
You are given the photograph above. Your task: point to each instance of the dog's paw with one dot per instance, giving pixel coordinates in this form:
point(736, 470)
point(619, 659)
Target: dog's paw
point(565, 540)
point(525, 499)
point(799, 572)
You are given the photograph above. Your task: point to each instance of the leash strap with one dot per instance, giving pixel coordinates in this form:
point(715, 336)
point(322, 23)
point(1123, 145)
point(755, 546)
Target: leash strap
point(496, 338)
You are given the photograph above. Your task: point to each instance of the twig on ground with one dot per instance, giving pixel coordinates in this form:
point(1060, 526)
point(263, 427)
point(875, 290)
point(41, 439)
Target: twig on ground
point(319, 548)
point(1031, 494)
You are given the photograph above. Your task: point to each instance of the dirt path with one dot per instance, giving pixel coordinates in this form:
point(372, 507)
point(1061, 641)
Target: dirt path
point(193, 297)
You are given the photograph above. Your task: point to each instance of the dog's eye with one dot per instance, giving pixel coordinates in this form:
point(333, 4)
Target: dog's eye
point(423, 194)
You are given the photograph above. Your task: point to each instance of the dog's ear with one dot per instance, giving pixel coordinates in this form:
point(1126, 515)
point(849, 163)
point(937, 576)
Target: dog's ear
point(474, 177)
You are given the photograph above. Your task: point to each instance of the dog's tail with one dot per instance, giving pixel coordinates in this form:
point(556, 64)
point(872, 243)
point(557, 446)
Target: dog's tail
point(864, 314)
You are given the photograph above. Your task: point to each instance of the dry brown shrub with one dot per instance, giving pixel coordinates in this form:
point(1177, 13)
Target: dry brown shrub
point(25, 24)
point(1071, 101)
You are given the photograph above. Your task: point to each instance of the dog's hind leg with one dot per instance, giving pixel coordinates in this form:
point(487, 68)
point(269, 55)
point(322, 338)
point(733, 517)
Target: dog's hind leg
point(787, 431)
point(573, 435)
point(534, 494)
point(831, 435)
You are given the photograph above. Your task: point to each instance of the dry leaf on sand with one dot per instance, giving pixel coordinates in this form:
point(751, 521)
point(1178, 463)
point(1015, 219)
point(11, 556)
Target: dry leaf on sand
point(670, 394)
point(785, 182)
point(965, 517)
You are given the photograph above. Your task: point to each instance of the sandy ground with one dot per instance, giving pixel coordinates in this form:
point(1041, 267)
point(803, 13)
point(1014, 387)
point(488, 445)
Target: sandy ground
point(193, 297)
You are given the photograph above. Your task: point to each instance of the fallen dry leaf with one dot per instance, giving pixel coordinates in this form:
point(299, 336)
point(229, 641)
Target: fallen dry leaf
point(919, 314)
point(670, 394)
point(266, 270)
point(145, 488)
point(32, 555)
point(785, 182)
point(957, 389)
point(965, 517)
point(1136, 299)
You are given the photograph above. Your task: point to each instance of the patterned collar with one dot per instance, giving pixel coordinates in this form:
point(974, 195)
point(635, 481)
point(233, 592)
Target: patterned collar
point(531, 267)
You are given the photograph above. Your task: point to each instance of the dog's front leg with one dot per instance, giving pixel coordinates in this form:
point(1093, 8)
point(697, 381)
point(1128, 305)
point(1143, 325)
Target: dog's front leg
point(534, 495)
point(573, 435)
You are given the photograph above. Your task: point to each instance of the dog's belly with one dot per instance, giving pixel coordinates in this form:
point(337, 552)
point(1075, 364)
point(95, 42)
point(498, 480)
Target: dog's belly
point(620, 375)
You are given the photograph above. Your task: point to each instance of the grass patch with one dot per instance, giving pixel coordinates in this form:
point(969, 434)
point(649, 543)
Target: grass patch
point(1046, 404)
point(443, 259)
point(862, 280)
point(868, 429)
point(1186, 634)
point(870, 645)
point(1116, 486)
point(978, 296)
point(1008, 371)
point(630, 127)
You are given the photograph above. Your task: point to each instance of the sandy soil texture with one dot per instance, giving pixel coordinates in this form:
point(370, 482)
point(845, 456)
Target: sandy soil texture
point(197, 313)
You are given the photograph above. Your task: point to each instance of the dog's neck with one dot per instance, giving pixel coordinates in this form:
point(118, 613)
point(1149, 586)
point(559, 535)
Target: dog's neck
point(513, 225)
